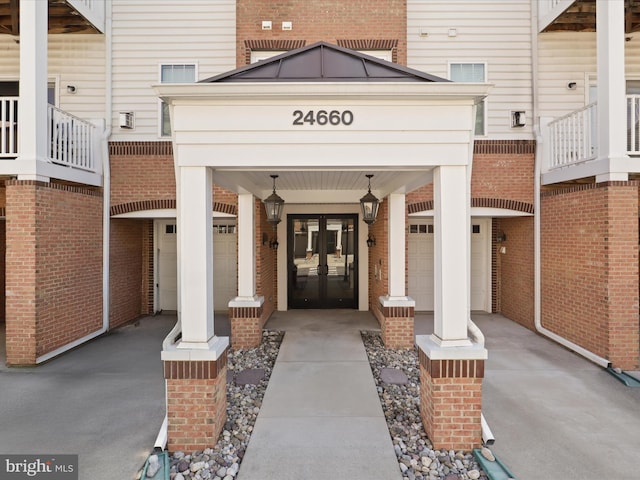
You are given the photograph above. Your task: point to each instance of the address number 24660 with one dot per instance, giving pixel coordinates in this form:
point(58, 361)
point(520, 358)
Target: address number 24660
point(322, 117)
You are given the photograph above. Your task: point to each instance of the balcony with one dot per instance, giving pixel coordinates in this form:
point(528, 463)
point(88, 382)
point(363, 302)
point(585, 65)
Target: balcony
point(571, 140)
point(73, 142)
point(65, 16)
point(580, 16)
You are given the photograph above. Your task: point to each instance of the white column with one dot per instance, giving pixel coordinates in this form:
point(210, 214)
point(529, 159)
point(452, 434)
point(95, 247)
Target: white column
point(32, 108)
point(397, 246)
point(246, 253)
point(195, 251)
point(451, 245)
point(612, 108)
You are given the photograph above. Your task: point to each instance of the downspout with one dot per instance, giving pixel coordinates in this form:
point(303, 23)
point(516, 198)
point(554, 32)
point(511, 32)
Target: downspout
point(106, 171)
point(537, 314)
point(106, 183)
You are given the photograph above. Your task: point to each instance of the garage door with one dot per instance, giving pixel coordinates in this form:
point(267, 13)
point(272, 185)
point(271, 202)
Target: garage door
point(224, 265)
point(420, 264)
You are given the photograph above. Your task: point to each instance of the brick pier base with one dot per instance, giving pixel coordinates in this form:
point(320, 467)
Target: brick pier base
point(246, 326)
point(396, 325)
point(196, 402)
point(451, 402)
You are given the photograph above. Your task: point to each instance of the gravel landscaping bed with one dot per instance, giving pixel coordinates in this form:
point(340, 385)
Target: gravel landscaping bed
point(417, 459)
point(222, 460)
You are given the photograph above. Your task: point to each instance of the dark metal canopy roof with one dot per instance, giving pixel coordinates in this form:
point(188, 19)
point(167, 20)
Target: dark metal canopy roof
point(324, 62)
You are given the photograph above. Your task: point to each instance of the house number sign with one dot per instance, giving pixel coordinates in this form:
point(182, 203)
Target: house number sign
point(323, 117)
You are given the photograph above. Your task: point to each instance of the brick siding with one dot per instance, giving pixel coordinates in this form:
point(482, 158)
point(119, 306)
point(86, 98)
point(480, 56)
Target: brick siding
point(352, 23)
point(590, 268)
point(451, 402)
point(196, 403)
point(53, 267)
point(127, 276)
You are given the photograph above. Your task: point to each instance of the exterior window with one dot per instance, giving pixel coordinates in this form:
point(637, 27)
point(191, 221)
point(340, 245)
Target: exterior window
point(257, 55)
point(475, 73)
point(181, 73)
point(381, 54)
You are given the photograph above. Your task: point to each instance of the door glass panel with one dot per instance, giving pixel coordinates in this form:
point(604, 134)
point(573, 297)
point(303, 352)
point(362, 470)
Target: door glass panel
point(304, 282)
point(322, 261)
point(340, 262)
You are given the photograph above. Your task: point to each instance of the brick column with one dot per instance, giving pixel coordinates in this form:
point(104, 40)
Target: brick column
point(246, 326)
point(396, 324)
point(451, 393)
point(196, 402)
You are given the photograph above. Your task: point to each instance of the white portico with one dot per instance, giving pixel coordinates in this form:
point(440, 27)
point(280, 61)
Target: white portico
point(321, 117)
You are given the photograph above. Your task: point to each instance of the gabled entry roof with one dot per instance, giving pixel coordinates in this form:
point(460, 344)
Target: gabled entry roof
point(324, 62)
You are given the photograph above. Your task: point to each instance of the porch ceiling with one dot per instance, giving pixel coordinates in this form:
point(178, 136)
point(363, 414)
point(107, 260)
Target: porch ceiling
point(581, 17)
point(63, 18)
point(326, 186)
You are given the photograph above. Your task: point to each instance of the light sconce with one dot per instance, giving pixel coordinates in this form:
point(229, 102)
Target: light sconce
point(273, 205)
point(371, 241)
point(274, 244)
point(501, 236)
point(71, 89)
point(369, 205)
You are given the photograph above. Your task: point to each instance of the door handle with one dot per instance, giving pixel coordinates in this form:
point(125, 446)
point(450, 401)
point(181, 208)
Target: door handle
point(319, 269)
point(326, 269)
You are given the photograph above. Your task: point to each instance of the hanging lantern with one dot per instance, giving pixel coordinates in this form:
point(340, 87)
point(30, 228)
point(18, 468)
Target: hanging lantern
point(369, 205)
point(273, 205)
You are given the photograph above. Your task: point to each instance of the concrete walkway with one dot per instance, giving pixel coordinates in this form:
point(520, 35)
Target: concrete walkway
point(321, 416)
point(103, 401)
point(554, 414)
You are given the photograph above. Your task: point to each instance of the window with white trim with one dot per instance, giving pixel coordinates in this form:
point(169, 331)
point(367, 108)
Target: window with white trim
point(257, 55)
point(173, 73)
point(381, 54)
point(472, 73)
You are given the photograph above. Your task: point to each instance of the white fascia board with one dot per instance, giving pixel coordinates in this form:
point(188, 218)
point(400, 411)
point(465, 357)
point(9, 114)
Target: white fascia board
point(185, 93)
point(50, 170)
point(480, 212)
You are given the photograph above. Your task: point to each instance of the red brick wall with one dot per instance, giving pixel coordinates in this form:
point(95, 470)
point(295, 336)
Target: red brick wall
point(501, 170)
point(590, 268)
point(378, 255)
point(3, 248)
point(53, 267)
point(127, 276)
point(147, 268)
point(516, 281)
point(266, 281)
point(451, 402)
point(326, 20)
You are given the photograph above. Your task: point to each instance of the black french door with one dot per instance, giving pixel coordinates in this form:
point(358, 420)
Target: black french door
point(322, 261)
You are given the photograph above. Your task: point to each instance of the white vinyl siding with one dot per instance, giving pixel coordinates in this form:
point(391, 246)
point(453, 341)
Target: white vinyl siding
point(184, 73)
point(76, 60)
point(494, 32)
point(475, 73)
point(149, 33)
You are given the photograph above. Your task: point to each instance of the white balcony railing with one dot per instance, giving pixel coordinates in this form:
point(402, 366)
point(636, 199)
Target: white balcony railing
point(72, 141)
point(8, 127)
point(573, 137)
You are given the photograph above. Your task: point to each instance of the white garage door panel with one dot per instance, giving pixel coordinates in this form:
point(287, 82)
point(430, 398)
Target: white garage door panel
point(420, 265)
point(224, 265)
